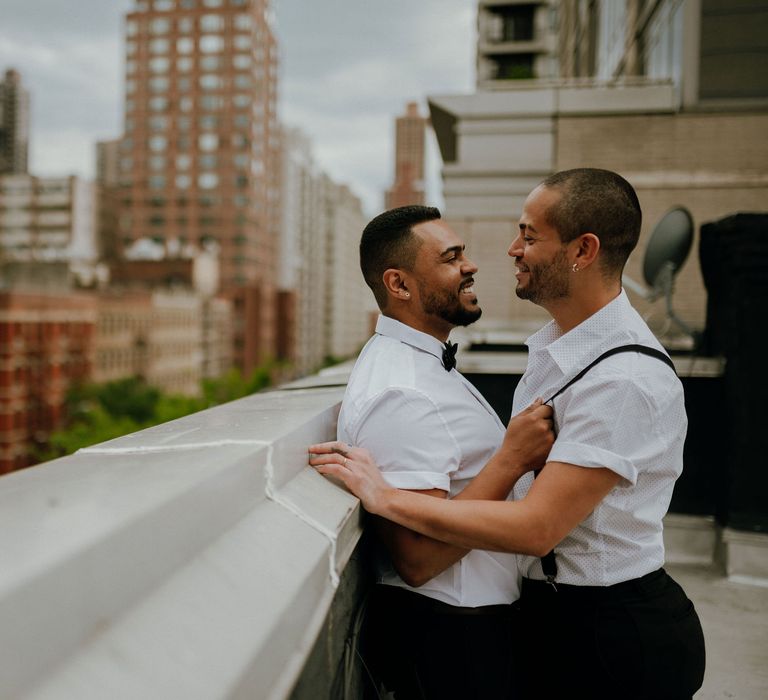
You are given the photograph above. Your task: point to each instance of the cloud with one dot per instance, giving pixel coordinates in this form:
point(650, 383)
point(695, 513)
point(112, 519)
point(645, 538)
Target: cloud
point(347, 69)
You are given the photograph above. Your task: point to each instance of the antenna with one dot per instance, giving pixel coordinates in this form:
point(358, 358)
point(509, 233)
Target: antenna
point(667, 250)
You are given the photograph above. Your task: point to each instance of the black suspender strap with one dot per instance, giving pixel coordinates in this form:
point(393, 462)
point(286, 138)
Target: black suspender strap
point(548, 561)
point(651, 352)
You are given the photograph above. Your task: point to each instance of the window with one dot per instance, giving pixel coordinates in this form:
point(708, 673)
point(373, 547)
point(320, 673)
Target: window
point(185, 104)
point(130, 48)
point(126, 163)
point(183, 182)
point(184, 64)
point(241, 120)
point(130, 86)
point(243, 81)
point(183, 123)
point(243, 42)
point(158, 84)
point(213, 3)
point(211, 43)
point(183, 162)
point(184, 84)
point(241, 100)
point(241, 160)
point(210, 82)
point(132, 28)
point(159, 64)
point(208, 161)
point(209, 62)
point(157, 143)
point(211, 102)
point(185, 45)
point(208, 142)
point(208, 121)
point(241, 61)
point(156, 182)
point(160, 25)
point(185, 25)
point(243, 21)
point(158, 46)
point(187, 4)
point(158, 104)
point(240, 141)
point(157, 162)
point(211, 23)
point(163, 5)
point(158, 123)
point(207, 181)
point(130, 67)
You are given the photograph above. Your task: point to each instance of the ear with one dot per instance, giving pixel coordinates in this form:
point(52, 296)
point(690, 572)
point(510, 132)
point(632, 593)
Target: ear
point(587, 248)
point(396, 284)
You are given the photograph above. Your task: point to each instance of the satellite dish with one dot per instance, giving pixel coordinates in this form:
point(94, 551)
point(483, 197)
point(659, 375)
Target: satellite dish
point(667, 250)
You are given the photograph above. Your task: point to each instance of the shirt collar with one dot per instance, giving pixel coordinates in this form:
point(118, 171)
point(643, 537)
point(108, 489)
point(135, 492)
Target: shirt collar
point(603, 329)
point(410, 336)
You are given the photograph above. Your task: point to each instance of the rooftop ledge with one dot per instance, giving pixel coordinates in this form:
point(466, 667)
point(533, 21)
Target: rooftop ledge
point(195, 559)
point(198, 558)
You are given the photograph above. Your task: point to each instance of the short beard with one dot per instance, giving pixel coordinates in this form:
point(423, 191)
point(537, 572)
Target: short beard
point(447, 307)
point(547, 281)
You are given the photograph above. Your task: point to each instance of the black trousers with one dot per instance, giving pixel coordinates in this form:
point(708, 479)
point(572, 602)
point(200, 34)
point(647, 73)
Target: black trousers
point(423, 649)
point(637, 640)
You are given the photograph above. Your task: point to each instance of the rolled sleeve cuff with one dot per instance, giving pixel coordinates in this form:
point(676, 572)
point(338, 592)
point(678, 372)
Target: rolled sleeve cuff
point(591, 456)
point(421, 481)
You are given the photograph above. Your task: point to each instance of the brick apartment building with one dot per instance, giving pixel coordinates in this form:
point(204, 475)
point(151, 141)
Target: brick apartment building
point(46, 345)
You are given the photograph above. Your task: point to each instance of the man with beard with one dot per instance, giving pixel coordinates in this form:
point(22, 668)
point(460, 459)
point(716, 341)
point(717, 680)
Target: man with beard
point(601, 617)
point(430, 431)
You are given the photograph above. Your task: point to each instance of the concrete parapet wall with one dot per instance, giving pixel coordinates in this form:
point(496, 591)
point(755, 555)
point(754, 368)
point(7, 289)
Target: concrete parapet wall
point(195, 559)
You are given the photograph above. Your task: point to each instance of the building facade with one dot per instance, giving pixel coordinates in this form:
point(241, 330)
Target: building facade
point(14, 125)
point(408, 185)
point(199, 153)
point(154, 335)
point(642, 92)
point(49, 219)
point(324, 301)
point(515, 41)
point(46, 346)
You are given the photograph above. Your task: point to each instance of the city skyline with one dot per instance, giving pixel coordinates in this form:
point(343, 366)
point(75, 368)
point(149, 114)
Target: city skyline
point(345, 74)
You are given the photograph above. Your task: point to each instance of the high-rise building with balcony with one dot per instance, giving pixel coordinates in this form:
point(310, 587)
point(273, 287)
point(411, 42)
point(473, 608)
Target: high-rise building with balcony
point(48, 220)
point(14, 124)
point(408, 187)
point(671, 94)
point(516, 40)
point(199, 153)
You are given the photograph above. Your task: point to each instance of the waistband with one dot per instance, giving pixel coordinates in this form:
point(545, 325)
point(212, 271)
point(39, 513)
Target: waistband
point(396, 595)
point(650, 583)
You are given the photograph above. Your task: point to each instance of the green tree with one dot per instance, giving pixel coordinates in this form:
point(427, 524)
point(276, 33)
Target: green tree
point(100, 412)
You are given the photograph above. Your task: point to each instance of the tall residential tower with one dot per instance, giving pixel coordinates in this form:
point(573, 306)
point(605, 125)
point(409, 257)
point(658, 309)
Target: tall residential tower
point(408, 187)
point(14, 125)
point(199, 154)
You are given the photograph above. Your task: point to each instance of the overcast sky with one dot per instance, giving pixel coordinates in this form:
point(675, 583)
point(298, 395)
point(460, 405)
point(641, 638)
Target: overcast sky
point(347, 69)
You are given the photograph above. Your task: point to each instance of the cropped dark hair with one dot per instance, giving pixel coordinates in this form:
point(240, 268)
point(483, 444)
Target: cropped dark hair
point(388, 241)
point(601, 202)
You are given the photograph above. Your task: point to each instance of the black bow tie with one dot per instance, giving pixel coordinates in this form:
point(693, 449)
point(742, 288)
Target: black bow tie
point(449, 355)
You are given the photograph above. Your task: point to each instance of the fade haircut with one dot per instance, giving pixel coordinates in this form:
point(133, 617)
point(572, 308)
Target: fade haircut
point(601, 202)
point(388, 241)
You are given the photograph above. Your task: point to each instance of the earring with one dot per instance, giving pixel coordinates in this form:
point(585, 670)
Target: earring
point(575, 267)
point(407, 295)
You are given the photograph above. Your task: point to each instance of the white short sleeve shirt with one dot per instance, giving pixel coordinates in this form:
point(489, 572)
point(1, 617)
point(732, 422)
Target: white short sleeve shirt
point(626, 414)
point(427, 429)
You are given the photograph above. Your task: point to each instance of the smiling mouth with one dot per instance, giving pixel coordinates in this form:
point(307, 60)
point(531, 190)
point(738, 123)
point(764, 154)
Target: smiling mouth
point(468, 287)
